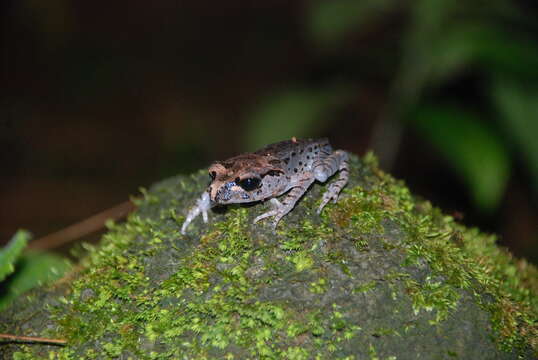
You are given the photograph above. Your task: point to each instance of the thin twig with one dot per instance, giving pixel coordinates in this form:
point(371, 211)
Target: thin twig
point(33, 339)
point(85, 227)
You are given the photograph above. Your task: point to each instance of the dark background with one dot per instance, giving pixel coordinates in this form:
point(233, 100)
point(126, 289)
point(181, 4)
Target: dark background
point(102, 98)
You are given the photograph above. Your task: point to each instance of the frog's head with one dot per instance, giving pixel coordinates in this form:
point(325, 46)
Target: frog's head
point(245, 178)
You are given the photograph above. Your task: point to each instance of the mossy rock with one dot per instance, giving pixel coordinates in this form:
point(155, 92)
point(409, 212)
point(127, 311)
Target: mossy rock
point(379, 275)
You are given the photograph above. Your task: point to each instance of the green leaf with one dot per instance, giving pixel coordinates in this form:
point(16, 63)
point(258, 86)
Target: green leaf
point(463, 44)
point(518, 108)
point(10, 253)
point(290, 113)
point(440, 42)
point(329, 21)
point(472, 148)
point(31, 270)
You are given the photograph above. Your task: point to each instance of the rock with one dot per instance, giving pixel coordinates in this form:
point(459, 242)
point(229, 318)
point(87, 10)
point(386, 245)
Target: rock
point(379, 275)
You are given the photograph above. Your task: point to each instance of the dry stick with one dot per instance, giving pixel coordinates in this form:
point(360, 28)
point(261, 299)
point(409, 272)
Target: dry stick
point(85, 227)
point(33, 339)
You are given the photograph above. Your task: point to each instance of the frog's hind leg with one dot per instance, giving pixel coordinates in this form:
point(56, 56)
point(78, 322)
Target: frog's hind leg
point(325, 168)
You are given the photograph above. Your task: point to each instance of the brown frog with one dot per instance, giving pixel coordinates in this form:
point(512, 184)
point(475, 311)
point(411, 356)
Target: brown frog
point(289, 166)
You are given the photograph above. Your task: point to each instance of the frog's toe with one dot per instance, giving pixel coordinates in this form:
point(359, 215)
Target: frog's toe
point(323, 203)
point(265, 215)
point(276, 220)
point(327, 197)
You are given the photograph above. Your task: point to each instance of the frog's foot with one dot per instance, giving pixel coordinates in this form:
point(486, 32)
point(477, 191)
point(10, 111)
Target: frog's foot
point(276, 208)
point(326, 168)
point(279, 209)
point(202, 206)
point(331, 194)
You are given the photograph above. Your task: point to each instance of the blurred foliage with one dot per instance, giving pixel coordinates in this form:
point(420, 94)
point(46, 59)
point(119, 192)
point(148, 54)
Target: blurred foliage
point(12, 251)
point(443, 41)
point(482, 162)
point(446, 40)
point(295, 112)
point(518, 110)
point(330, 21)
point(21, 272)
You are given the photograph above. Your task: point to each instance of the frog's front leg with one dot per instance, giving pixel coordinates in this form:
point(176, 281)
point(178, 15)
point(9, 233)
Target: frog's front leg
point(282, 208)
point(202, 206)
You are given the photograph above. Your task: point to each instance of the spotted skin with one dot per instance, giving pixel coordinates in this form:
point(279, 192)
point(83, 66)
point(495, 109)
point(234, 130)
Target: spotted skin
point(287, 167)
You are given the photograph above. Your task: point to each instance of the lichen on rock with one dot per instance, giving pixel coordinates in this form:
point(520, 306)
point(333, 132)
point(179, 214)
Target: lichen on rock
point(379, 275)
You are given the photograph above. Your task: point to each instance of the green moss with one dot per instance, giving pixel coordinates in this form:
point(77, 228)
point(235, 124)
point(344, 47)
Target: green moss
point(467, 259)
point(460, 258)
point(301, 260)
point(433, 295)
point(319, 286)
point(363, 288)
point(213, 296)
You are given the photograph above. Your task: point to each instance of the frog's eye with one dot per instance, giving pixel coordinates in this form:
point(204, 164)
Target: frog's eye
point(212, 175)
point(249, 184)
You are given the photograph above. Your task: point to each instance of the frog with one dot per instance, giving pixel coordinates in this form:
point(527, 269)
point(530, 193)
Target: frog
point(284, 169)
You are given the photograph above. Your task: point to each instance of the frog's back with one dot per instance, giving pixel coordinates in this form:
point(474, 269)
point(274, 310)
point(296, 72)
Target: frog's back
point(297, 156)
point(287, 148)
